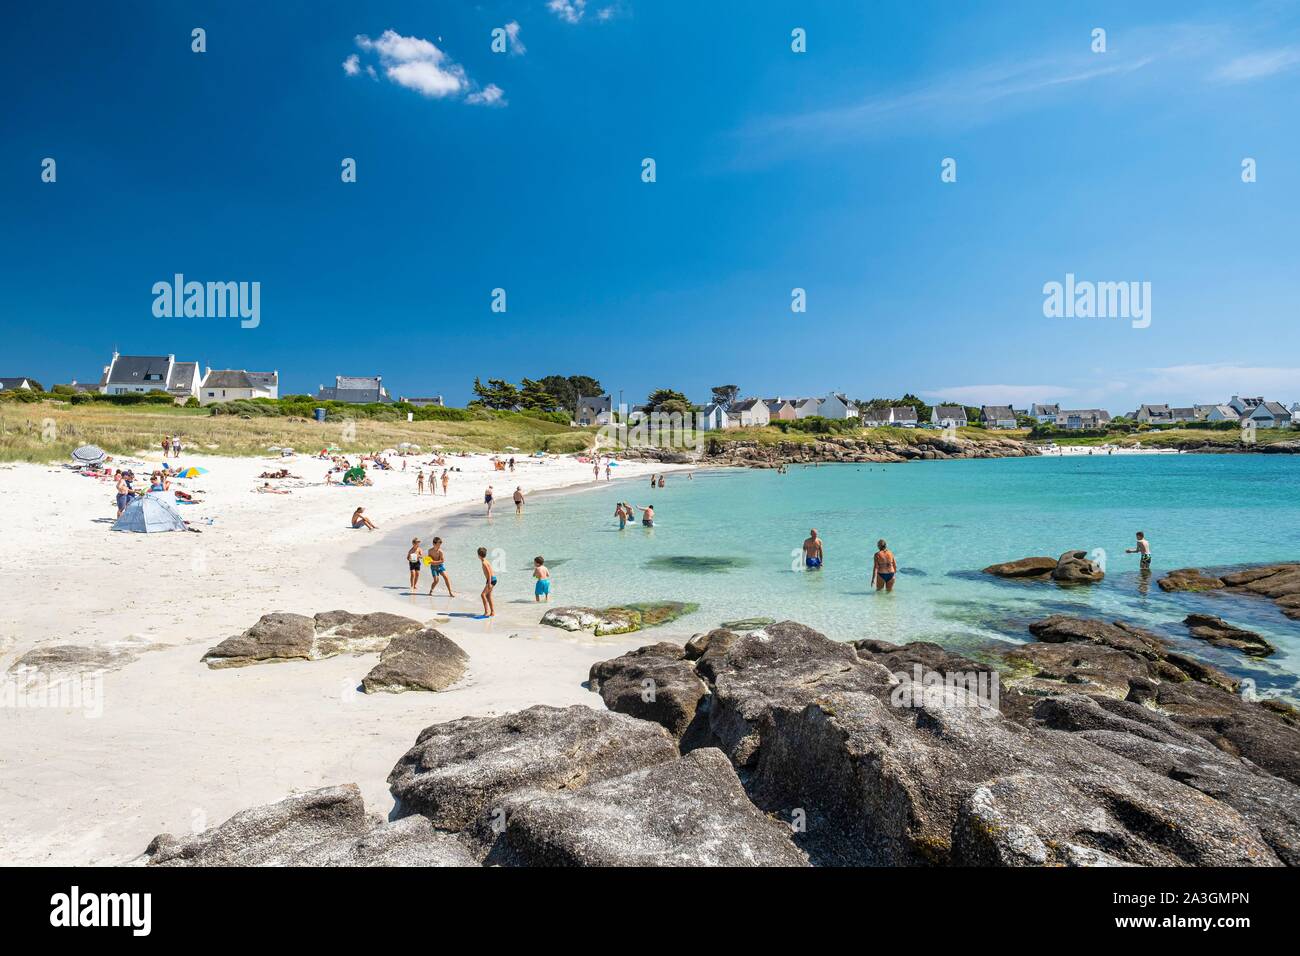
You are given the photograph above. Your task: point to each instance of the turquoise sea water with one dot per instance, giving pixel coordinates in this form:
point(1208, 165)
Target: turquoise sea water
point(729, 541)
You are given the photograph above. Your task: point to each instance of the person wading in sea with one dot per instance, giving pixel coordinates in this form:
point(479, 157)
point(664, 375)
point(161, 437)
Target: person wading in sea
point(1143, 548)
point(884, 567)
point(812, 551)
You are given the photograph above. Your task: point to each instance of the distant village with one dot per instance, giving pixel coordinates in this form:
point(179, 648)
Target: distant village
point(186, 383)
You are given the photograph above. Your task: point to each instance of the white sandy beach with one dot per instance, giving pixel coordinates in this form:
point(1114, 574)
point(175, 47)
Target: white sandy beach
point(179, 747)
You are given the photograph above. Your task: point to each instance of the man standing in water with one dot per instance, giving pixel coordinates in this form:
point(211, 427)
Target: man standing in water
point(812, 551)
point(519, 499)
point(1144, 549)
point(884, 567)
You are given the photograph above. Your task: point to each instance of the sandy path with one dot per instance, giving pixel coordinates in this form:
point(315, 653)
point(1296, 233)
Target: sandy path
point(178, 746)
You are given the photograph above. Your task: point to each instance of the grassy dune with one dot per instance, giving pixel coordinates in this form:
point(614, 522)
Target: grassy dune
point(48, 431)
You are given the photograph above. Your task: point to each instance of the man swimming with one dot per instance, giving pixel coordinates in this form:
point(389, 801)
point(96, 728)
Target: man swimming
point(883, 567)
point(1144, 549)
point(812, 551)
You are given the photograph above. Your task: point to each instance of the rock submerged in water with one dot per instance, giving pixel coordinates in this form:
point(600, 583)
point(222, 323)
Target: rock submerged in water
point(1278, 582)
point(1189, 579)
point(617, 620)
point(1217, 631)
point(421, 660)
point(1073, 567)
point(284, 637)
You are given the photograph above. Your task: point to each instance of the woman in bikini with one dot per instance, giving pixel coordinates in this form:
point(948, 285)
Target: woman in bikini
point(413, 562)
point(884, 568)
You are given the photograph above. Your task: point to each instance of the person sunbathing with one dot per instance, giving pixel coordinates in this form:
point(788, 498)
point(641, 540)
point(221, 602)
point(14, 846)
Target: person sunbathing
point(359, 520)
point(266, 489)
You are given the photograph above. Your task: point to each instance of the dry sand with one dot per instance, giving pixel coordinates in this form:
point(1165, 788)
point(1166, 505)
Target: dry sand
point(179, 747)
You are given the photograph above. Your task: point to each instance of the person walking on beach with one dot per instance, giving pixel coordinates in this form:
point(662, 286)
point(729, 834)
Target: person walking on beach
point(167, 446)
point(419, 482)
point(812, 551)
point(359, 520)
point(609, 471)
point(176, 446)
point(519, 499)
point(413, 562)
point(487, 500)
point(438, 566)
point(883, 567)
point(489, 583)
point(542, 590)
point(445, 479)
point(1144, 549)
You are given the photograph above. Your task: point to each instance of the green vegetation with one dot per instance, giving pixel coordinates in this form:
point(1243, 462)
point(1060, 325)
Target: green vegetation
point(48, 430)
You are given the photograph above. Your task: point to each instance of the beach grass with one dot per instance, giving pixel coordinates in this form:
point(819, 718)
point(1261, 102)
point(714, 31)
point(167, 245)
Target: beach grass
point(1181, 438)
point(49, 431)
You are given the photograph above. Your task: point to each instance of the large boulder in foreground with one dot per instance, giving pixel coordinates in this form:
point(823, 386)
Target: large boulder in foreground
point(327, 827)
point(655, 682)
point(458, 772)
point(1023, 568)
point(285, 637)
point(687, 812)
point(1215, 630)
point(420, 660)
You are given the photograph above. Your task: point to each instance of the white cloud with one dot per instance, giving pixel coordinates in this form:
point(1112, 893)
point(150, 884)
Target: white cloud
point(517, 47)
point(490, 95)
point(1018, 395)
point(1254, 66)
point(419, 65)
point(570, 11)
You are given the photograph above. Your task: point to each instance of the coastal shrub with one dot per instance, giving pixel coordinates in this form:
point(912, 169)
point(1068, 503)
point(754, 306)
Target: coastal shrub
point(816, 425)
point(558, 418)
point(22, 396)
point(130, 398)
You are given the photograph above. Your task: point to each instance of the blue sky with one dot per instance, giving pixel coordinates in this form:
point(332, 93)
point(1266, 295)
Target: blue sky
point(775, 170)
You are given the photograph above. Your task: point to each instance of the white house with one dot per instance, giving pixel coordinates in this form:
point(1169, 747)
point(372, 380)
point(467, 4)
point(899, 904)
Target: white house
point(228, 384)
point(807, 407)
point(1045, 414)
point(1083, 419)
point(1269, 415)
point(19, 384)
point(748, 413)
point(780, 409)
point(355, 389)
point(945, 415)
point(1295, 411)
point(138, 374)
point(832, 406)
point(1221, 413)
point(712, 417)
point(900, 416)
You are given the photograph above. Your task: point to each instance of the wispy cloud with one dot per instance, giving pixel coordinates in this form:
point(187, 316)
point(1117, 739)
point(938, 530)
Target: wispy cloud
point(419, 65)
point(1219, 380)
point(1018, 395)
point(570, 11)
point(1255, 66)
point(517, 47)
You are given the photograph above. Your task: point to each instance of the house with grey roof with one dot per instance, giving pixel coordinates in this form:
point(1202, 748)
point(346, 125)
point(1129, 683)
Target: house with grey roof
point(1046, 414)
point(1244, 406)
point(1269, 415)
point(140, 374)
point(228, 384)
point(1217, 413)
point(20, 384)
point(434, 401)
point(712, 417)
point(355, 389)
point(594, 410)
point(748, 413)
point(900, 416)
point(945, 415)
point(1083, 419)
point(807, 407)
point(780, 409)
point(997, 416)
point(1154, 415)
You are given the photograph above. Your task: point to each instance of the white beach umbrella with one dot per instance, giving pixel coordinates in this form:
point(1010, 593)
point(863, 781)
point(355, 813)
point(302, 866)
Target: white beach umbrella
point(89, 455)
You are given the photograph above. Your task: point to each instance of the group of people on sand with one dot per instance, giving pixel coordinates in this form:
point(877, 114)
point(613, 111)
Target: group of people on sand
point(436, 560)
point(433, 481)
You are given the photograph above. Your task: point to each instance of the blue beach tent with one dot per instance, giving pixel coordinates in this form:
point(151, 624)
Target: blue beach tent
point(149, 513)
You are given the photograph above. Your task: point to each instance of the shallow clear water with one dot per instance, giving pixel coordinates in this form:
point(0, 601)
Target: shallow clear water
point(729, 541)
